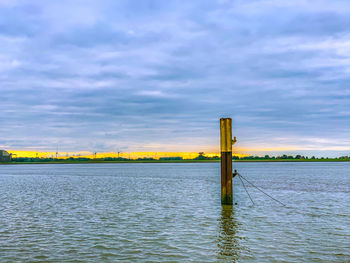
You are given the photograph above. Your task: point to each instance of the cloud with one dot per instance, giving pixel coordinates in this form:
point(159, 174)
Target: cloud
point(92, 75)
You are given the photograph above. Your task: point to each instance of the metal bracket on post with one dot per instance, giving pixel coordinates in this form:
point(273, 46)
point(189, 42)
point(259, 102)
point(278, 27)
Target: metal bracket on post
point(234, 140)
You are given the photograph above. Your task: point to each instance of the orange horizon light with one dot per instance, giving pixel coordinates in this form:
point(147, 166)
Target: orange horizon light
point(127, 155)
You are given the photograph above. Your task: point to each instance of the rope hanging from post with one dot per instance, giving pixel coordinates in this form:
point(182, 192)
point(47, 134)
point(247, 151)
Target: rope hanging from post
point(245, 188)
point(261, 190)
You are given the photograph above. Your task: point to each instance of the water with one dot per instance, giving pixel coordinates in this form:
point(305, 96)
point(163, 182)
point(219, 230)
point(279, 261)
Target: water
point(172, 213)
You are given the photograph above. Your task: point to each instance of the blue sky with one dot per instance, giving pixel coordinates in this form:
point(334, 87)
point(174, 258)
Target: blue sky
point(158, 75)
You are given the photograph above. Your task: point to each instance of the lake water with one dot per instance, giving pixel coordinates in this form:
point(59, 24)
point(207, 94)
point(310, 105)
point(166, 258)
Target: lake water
point(172, 213)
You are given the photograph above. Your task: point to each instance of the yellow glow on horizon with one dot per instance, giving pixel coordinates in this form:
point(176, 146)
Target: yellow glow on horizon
point(127, 155)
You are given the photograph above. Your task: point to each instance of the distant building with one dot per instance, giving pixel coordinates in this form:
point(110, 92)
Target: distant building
point(5, 156)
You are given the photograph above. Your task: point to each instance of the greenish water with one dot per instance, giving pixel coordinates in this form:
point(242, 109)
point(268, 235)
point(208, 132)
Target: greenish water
point(171, 213)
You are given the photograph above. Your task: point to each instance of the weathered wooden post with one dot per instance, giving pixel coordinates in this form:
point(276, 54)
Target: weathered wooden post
point(226, 160)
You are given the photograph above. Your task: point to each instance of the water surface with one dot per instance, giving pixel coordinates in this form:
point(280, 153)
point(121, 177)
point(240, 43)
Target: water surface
point(172, 213)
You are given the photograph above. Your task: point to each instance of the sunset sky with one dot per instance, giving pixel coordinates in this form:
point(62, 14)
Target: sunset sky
point(148, 76)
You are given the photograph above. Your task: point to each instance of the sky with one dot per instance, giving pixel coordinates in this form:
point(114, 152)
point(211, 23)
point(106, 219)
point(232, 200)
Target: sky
point(125, 75)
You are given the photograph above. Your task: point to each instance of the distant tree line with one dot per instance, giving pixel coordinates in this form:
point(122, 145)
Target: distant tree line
point(201, 157)
point(288, 157)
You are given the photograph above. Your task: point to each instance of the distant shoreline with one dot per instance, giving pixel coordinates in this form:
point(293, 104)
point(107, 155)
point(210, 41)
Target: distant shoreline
point(180, 161)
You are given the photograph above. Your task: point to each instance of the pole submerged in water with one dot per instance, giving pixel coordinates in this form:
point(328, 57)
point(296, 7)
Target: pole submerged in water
point(226, 160)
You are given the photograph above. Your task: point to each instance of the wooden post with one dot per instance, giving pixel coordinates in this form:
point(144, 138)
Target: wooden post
point(226, 160)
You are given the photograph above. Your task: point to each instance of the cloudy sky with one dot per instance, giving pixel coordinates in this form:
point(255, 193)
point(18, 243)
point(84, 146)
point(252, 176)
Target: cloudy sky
point(157, 75)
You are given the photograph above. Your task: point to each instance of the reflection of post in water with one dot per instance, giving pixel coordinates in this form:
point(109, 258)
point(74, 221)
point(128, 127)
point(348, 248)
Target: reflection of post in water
point(228, 240)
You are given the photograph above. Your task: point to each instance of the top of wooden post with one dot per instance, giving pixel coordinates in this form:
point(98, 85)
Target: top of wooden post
point(226, 134)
